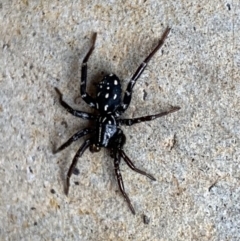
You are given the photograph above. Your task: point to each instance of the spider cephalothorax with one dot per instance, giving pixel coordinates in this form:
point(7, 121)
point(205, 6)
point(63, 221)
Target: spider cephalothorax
point(106, 132)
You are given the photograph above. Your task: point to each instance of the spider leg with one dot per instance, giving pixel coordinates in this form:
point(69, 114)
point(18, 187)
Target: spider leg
point(79, 153)
point(76, 113)
point(129, 122)
point(75, 137)
point(85, 96)
point(117, 158)
point(128, 94)
point(132, 166)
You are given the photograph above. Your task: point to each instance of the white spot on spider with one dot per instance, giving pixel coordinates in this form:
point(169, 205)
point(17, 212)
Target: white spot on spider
point(127, 93)
point(84, 95)
point(108, 88)
point(115, 82)
point(111, 75)
point(100, 86)
point(84, 115)
point(105, 107)
point(100, 133)
point(97, 105)
point(91, 104)
point(115, 96)
point(104, 119)
point(109, 122)
point(99, 93)
point(107, 95)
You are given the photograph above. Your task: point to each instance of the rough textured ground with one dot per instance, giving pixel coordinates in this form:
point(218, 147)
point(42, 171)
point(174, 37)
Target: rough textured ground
point(193, 153)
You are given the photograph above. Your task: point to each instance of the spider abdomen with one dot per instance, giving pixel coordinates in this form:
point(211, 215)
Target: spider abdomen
point(108, 94)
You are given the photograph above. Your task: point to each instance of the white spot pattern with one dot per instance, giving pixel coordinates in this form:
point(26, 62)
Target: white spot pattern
point(105, 107)
point(115, 82)
point(107, 95)
point(84, 115)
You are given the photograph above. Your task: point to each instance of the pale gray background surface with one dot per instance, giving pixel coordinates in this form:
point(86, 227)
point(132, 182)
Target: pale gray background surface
point(193, 153)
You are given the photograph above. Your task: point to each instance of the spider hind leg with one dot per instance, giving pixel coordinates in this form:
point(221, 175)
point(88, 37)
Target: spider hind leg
point(128, 94)
point(85, 96)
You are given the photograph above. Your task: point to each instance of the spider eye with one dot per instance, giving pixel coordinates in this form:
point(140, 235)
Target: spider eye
point(94, 148)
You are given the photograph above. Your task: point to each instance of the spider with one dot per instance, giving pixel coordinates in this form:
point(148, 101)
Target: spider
point(109, 104)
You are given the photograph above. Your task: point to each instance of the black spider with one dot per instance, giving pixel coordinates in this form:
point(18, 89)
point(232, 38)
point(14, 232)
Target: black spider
point(106, 132)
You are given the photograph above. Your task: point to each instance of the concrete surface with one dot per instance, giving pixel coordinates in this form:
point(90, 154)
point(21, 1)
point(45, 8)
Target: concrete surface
point(193, 153)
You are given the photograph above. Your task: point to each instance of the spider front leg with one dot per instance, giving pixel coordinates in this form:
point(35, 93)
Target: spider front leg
point(75, 137)
point(129, 122)
point(133, 167)
point(76, 113)
point(128, 94)
point(85, 96)
point(79, 153)
point(117, 159)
